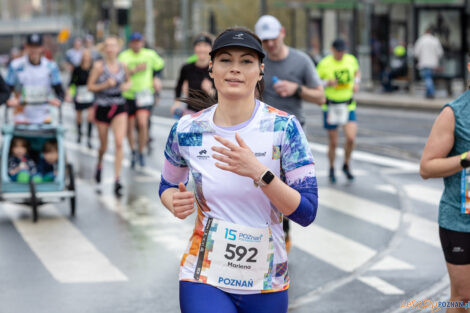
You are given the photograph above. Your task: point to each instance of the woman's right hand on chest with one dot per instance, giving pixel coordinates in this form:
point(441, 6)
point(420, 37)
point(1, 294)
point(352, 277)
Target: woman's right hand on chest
point(183, 202)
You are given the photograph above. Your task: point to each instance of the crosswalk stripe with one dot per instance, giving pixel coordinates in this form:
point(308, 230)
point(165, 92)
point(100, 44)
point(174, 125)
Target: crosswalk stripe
point(384, 216)
point(389, 263)
point(331, 247)
point(360, 208)
point(381, 285)
point(68, 255)
point(424, 193)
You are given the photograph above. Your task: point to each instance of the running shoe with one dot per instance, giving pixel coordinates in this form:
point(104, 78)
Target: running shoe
point(98, 175)
point(332, 176)
point(117, 188)
point(347, 172)
point(133, 159)
point(141, 159)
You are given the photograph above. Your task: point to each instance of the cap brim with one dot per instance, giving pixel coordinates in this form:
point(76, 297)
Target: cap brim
point(236, 44)
point(269, 35)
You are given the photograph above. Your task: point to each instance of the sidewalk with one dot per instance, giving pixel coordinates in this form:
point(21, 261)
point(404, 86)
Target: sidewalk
point(400, 100)
point(386, 100)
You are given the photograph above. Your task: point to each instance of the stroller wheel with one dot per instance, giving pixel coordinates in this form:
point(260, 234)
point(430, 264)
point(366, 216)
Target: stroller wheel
point(71, 187)
point(34, 200)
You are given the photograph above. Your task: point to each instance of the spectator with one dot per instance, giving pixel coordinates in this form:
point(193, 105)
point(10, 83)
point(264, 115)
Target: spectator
point(428, 50)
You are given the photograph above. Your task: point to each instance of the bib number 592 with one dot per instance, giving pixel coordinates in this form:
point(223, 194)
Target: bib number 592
point(240, 251)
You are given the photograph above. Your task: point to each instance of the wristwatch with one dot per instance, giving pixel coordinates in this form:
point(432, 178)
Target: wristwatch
point(464, 162)
point(264, 179)
point(298, 91)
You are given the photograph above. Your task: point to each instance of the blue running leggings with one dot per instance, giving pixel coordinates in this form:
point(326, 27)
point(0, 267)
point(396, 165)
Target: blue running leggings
point(203, 298)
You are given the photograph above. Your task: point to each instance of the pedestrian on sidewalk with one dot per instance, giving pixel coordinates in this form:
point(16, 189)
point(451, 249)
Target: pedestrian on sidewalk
point(145, 67)
point(447, 155)
point(251, 165)
point(341, 77)
point(290, 76)
point(428, 50)
point(108, 79)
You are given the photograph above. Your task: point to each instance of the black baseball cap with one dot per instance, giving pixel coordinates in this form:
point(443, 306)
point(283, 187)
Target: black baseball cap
point(237, 38)
point(34, 39)
point(339, 45)
point(202, 38)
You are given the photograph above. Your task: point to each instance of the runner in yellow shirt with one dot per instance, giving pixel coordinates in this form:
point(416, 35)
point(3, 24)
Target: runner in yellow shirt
point(341, 77)
point(145, 66)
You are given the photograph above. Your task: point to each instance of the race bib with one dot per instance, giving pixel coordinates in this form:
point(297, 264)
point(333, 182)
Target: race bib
point(35, 94)
point(84, 95)
point(338, 114)
point(465, 191)
point(235, 256)
point(144, 98)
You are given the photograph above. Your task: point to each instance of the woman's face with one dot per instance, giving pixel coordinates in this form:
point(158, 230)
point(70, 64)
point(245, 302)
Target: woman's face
point(202, 49)
point(86, 57)
point(111, 47)
point(236, 71)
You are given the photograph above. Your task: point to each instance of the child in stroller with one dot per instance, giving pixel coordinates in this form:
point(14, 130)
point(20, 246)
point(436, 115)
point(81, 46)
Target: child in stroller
point(20, 166)
point(47, 165)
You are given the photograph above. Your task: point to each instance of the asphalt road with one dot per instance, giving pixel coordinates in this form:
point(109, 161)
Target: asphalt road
point(373, 245)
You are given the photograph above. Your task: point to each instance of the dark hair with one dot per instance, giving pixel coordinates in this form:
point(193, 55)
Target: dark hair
point(49, 146)
point(203, 37)
point(15, 141)
point(201, 100)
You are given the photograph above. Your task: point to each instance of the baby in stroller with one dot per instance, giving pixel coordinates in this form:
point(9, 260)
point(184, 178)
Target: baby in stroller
point(20, 166)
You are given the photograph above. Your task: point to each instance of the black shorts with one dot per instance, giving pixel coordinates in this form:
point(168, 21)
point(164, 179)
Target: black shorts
point(456, 246)
point(105, 114)
point(132, 107)
point(82, 106)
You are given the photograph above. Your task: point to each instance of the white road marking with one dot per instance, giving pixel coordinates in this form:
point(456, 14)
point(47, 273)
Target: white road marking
point(63, 250)
point(387, 188)
point(424, 193)
point(384, 216)
point(381, 285)
point(332, 247)
point(360, 208)
point(391, 264)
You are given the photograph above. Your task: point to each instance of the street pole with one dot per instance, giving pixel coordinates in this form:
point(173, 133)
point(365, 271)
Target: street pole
point(364, 47)
point(4, 10)
point(263, 7)
point(184, 23)
point(149, 23)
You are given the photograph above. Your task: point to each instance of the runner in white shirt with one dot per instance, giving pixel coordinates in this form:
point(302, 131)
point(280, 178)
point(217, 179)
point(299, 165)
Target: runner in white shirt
point(251, 165)
point(32, 78)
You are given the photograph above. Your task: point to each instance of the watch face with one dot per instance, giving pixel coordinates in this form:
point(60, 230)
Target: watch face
point(268, 177)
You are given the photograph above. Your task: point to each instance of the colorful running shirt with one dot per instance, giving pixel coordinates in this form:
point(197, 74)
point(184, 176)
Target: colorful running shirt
point(343, 71)
point(277, 140)
point(34, 82)
point(144, 79)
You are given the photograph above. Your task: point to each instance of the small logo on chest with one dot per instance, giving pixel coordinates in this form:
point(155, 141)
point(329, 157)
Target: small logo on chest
point(260, 154)
point(203, 155)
